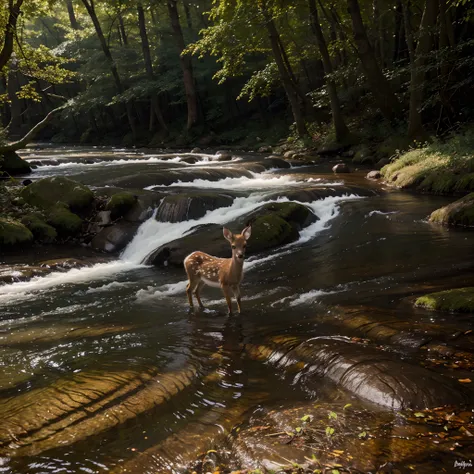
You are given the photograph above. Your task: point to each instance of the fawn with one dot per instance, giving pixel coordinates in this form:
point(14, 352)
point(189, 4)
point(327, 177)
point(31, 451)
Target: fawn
point(226, 273)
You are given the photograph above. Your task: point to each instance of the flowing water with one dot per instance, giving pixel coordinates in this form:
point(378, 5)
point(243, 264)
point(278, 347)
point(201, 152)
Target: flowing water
point(105, 362)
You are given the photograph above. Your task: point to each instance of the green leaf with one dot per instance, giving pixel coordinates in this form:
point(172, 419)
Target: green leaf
point(347, 405)
point(332, 415)
point(306, 418)
point(335, 471)
point(298, 429)
point(363, 434)
point(419, 415)
point(329, 430)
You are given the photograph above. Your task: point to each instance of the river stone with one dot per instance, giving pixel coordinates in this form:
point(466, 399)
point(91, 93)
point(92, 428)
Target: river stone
point(190, 159)
point(273, 225)
point(362, 440)
point(265, 149)
point(196, 150)
point(289, 154)
point(275, 162)
point(374, 174)
point(47, 192)
point(190, 206)
point(458, 213)
point(13, 233)
point(223, 155)
point(115, 238)
point(12, 165)
point(40, 229)
point(119, 204)
point(341, 168)
point(368, 373)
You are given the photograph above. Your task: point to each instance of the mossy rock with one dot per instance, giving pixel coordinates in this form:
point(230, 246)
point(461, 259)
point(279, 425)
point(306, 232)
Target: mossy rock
point(12, 164)
point(460, 300)
point(13, 233)
point(41, 231)
point(47, 192)
point(458, 213)
point(291, 212)
point(119, 204)
point(64, 221)
point(270, 231)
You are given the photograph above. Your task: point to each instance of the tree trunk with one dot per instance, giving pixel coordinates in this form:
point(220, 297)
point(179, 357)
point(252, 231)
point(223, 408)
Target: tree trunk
point(72, 15)
point(14, 10)
point(284, 74)
point(122, 29)
point(339, 125)
point(186, 65)
point(187, 12)
point(379, 85)
point(428, 21)
point(148, 64)
point(89, 4)
point(408, 30)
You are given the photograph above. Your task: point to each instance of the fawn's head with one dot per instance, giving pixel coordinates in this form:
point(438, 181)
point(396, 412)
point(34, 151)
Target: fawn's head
point(238, 241)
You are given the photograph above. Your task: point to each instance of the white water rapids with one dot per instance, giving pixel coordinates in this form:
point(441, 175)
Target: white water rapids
point(152, 234)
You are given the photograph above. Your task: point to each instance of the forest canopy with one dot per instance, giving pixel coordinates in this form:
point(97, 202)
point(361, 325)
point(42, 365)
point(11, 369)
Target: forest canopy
point(152, 72)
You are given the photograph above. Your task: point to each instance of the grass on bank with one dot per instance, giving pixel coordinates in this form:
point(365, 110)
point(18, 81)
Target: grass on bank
point(441, 168)
point(460, 300)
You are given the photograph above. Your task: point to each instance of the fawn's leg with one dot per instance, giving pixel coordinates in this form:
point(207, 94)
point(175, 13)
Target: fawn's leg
point(192, 285)
point(196, 294)
point(236, 290)
point(226, 291)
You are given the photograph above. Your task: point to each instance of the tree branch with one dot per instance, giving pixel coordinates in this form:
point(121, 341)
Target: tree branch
point(10, 29)
point(32, 133)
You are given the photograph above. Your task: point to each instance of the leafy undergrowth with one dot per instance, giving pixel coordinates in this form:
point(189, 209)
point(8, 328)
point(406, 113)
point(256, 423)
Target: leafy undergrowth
point(441, 168)
point(457, 300)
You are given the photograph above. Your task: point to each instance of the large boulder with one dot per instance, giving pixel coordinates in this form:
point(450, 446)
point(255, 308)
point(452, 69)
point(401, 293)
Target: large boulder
point(273, 225)
point(13, 233)
point(115, 238)
point(275, 162)
point(121, 203)
point(458, 213)
point(64, 221)
point(190, 206)
point(459, 300)
point(47, 192)
point(11, 164)
point(42, 231)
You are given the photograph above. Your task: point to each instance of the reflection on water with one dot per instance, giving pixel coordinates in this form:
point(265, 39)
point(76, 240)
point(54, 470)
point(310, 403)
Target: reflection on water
point(103, 363)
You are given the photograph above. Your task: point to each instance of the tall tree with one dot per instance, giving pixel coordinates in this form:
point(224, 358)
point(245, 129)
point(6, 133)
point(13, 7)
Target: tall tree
point(428, 22)
point(14, 11)
point(72, 15)
point(90, 7)
point(339, 125)
point(148, 64)
point(186, 65)
point(379, 85)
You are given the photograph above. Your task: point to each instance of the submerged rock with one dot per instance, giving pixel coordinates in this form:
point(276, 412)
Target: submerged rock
point(47, 192)
point(459, 300)
point(12, 165)
point(275, 162)
point(13, 233)
point(341, 168)
point(190, 206)
point(115, 238)
point(458, 213)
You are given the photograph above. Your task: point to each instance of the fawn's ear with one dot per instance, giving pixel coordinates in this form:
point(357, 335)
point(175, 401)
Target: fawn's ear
point(246, 232)
point(228, 234)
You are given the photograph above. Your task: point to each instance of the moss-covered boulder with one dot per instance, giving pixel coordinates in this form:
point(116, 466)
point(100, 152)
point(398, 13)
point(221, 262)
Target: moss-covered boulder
point(13, 233)
point(47, 192)
point(40, 229)
point(119, 204)
point(11, 164)
point(64, 221)
point(460, 300)
point(458, 213)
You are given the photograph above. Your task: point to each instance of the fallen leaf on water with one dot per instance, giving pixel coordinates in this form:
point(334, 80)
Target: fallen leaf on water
point(420, 415)
point(465, 380)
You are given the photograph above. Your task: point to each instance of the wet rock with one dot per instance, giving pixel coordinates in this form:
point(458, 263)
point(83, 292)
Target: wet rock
point(320, 192)
point(289, 154)
point(368, 373)
point(47, 192)
point(362, 156)
point(196, 150)
point(190, 159)
point(26, 182)
point(272, 225)
point(12, 274)
point(223, 155)
point(119, 204)
point(341, 168)
point(13, 233)
point(64, 221)
point(12, 165)
point(265, 149)
point(348, 154)
point(40, 229)
point(275, 162)
point(190, 206)
point(460, 300)
point(459, 213)
point(374, 175)
point(104, 218)
point(382, 162)
point(115, 238)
